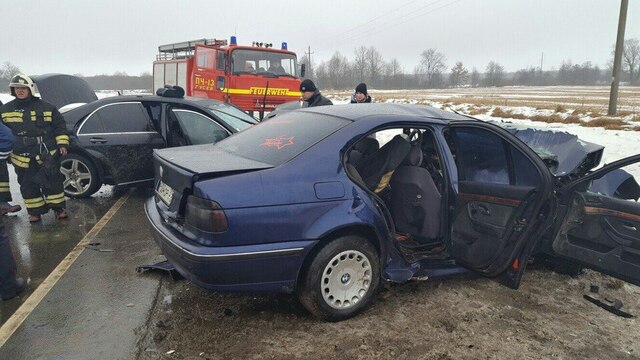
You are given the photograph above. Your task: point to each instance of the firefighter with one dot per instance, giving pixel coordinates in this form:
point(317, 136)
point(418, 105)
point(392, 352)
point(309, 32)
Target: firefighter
point(360, 96)
point(311, 95)
point(6, 145)
point(40, 138)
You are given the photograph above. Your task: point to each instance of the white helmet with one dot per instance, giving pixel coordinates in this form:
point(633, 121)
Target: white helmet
point(22, 80)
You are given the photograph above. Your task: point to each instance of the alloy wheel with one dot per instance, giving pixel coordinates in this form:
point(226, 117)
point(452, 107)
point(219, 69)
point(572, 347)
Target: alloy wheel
point(77, 176)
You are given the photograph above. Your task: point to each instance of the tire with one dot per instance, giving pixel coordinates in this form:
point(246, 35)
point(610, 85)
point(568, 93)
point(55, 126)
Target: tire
point(81, 178)
point(341, 280)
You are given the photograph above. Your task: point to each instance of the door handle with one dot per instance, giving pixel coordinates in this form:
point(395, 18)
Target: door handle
point(629, 227)
point(484, 210)
point(97, 140)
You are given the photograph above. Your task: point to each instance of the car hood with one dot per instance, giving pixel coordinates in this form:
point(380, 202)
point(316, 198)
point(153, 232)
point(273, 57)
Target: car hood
point(564, 153)
point(60, 89)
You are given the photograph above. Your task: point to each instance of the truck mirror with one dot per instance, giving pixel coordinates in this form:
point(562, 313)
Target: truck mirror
point(302, 68)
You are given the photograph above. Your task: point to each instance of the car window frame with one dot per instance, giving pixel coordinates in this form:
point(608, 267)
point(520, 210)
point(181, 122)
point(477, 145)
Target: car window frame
point(215, 121)
point(79, 131)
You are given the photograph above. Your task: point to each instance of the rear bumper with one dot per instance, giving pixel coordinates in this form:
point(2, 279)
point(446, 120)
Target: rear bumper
point(253, 268)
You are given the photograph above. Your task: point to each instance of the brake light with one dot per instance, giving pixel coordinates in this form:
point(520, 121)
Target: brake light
point(205, 215)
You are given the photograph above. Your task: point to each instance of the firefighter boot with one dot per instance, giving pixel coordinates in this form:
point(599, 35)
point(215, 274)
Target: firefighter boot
point(61, 214)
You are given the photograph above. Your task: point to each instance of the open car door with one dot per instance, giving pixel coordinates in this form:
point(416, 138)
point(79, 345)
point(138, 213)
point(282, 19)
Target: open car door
point(601, 229)
point(503, 201)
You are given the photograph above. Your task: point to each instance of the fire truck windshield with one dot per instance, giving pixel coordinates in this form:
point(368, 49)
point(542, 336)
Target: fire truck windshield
point(263, 62)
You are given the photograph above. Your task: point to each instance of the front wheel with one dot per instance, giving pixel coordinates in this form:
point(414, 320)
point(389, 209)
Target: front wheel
point(341, 280)
point(81, 178)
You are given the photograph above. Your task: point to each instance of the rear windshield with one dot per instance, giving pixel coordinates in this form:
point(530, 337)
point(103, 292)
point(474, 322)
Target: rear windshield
point(279, 140)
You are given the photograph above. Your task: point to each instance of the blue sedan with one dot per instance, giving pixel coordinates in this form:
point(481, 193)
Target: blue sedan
point(328, 202)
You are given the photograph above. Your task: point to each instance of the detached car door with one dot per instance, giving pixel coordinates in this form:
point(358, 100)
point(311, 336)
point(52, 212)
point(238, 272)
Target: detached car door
point(122, 137)
point(503, 191)
point(599, 223)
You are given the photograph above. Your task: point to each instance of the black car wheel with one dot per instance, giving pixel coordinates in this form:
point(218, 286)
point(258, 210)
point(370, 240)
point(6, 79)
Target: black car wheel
point(341, 280)
point(80, 176)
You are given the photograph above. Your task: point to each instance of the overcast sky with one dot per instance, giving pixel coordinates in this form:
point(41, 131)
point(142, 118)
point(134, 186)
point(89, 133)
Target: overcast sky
point(98, 37)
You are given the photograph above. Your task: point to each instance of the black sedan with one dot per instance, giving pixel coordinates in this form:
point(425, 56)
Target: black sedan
point(113, 138)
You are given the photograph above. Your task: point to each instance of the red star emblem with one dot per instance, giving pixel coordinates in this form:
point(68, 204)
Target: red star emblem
point(279, 142)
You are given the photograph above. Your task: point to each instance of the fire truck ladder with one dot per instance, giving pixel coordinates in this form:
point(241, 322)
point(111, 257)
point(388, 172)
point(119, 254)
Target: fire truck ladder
point(185, 49)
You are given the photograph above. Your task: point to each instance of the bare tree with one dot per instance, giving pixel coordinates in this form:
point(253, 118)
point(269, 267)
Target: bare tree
point(459, 75)
point(475, 78)
point(375, 65)
point(494, 74)
point(338, 69)
point(8, 70)
point(432, 64)
point(360, 64)
point(631, 59)
point(394, 73)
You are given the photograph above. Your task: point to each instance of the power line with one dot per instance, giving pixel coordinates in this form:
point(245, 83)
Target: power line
point(393, 23)
point(328, 39)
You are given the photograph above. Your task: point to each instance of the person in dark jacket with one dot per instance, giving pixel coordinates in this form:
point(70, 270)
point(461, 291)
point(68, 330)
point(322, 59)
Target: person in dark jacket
point(311, 95)
point(6, 146)
point(360, 96)
point(40, 138)
point(10, 285)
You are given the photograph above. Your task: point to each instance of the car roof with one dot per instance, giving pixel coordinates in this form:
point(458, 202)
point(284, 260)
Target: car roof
point(73, 115)
point(358, 112)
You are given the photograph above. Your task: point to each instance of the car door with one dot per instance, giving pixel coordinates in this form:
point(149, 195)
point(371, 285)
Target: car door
point(600, 228)
point(497, 211)
point(122, 136)
point(189, 127)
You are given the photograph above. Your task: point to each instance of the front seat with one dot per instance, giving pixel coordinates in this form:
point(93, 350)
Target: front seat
point(377, 171)
point(415, 202)
point(362, 151)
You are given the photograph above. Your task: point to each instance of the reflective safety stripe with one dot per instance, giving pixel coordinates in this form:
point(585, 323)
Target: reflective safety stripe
point(47, 113)
point(12, 119)
point(62, 139)
point(4, 186)
point(20, 161)
point(33, 116)
point(55, 199)
point(11, 114)
point(34, 203)
point(39, 159)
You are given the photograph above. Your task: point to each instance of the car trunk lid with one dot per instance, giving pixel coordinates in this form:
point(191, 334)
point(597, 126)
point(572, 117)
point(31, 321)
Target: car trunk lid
point(177, 169)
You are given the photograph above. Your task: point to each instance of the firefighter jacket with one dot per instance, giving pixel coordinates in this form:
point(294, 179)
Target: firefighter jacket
point(317, 100)
point(36, 126)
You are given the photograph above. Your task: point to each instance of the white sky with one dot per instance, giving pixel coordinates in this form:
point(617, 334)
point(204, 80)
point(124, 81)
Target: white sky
point(96, 37)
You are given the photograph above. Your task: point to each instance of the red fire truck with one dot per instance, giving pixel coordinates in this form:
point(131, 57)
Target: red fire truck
point(255, 78)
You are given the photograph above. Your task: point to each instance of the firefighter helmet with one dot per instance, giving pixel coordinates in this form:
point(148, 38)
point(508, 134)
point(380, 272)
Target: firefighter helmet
point(22, 80)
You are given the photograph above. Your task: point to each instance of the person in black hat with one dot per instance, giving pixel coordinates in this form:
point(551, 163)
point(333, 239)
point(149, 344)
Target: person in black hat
point(360, 96)
point(311, 95)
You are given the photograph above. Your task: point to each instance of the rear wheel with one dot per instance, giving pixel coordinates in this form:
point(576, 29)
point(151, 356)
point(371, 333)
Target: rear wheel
point(80, 176)
point(341, 280)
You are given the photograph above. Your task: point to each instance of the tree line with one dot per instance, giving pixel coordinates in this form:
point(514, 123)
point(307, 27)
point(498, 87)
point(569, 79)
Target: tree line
point(368, 65)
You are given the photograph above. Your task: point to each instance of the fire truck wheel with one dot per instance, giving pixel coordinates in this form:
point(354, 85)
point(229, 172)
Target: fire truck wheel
point(81, 178)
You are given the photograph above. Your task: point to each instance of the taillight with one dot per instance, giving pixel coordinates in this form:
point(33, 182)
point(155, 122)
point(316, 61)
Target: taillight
point(205, 215)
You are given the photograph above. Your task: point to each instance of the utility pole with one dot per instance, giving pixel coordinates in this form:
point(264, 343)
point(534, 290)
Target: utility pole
point(541, 60)
point(309, 71)
point(617, 61)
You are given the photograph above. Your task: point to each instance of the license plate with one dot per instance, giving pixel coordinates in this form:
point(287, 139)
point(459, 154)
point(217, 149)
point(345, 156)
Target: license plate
point(164, 192)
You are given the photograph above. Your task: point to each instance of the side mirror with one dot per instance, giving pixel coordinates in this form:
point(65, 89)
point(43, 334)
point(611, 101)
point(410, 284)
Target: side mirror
point(302, 70)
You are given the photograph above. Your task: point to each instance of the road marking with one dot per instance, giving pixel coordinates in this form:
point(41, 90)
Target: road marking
point(32, 301)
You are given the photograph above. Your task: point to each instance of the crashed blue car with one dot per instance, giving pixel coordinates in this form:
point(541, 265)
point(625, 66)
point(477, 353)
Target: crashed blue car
point(329, 202)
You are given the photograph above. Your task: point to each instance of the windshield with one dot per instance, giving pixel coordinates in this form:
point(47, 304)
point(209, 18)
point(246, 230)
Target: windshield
point(263, 62)
point(279, 140)
point(233, 116)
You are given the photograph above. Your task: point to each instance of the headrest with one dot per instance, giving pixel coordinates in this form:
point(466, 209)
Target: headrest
point(414, 157)
point(367, 145)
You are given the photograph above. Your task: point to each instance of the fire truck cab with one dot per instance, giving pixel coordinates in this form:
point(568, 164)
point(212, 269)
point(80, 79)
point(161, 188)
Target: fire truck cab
point(255, 78)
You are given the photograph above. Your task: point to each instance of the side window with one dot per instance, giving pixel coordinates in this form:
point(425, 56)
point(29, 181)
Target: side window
point(480, 156)
point(124, 118)
point(199, 129)
point(526, 173)
point(222, 61)
point(92, 125)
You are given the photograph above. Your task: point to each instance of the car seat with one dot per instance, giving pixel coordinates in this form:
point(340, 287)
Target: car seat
point(377, 170)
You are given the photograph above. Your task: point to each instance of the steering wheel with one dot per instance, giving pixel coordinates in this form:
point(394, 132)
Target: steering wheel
point(415, 137)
